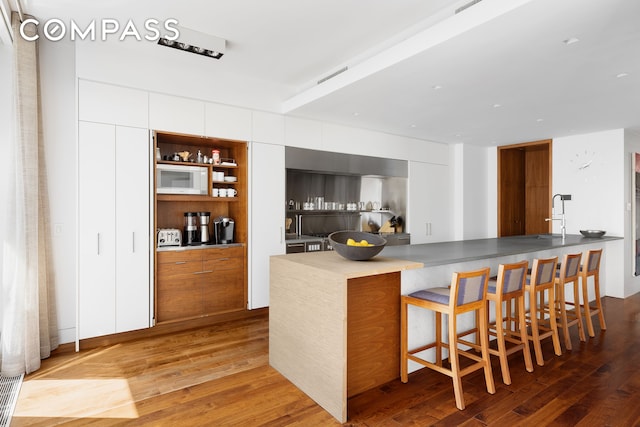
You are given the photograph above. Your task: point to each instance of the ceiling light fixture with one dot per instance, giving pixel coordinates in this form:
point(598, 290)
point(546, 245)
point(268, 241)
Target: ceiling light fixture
point(436, 87)
point(496, 105)
point(571, 40)
point(196, 42)
point(622, 75)
point(539, 120)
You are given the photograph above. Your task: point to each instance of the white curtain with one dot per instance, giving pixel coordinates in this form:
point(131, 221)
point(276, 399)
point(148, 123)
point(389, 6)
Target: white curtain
point(29, 330)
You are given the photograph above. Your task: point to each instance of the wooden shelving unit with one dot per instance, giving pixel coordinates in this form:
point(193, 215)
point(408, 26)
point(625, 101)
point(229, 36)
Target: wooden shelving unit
point(178, 292)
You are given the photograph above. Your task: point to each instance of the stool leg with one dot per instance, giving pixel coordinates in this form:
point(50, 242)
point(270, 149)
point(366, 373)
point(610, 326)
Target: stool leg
point(484, 340)
point(554, 324)
point(455, 363)
point(587, 310)
point(596, 286)
point(439, 338)
point(523, 333)
point(563, 314)
point(576, 304)
point(404, 345)
point(534, 309)
point(502, 348)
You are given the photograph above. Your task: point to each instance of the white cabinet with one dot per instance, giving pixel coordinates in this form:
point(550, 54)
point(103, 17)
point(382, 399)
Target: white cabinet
point(176, 114)
point(429, 204)
point(222, 121)
point(113, 229)
point(267, 127)
point(105, 103)
point(267, 217)
point(132, 228)
point(303, 133)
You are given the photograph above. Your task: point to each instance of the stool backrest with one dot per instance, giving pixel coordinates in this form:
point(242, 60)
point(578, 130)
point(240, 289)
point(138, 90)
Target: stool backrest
point(511, 277)
point(570, 267)
point(469, 286)
point(593, 260)
point(543, 271)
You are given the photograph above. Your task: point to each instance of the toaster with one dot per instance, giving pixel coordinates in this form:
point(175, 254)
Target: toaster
point(169, 237)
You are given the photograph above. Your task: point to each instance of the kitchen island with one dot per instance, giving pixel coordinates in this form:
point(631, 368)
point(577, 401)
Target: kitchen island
point(334, 324)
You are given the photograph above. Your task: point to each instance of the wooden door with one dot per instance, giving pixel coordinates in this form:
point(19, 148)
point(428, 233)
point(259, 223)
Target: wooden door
point(524, 189)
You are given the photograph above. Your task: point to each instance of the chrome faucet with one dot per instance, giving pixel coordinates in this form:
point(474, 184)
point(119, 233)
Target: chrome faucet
point(562, 218)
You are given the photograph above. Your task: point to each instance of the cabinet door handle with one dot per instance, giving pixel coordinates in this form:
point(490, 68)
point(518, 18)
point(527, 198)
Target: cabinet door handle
point(98, 240)
point(223, 259)
point(180, 262)
point(203, 272)
point(281, 234)
point(133, 242)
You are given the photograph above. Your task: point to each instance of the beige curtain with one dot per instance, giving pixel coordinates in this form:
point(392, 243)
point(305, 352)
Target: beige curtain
point(29, 330)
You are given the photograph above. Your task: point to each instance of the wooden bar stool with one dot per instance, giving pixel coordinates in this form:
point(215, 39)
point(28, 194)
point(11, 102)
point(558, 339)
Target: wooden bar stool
point(467, 293)
point(569, 275)
point(541, 283)
point(510, 326)
point(591, 268)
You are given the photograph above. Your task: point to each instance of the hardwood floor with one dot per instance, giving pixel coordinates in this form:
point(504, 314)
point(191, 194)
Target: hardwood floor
point(220, 376)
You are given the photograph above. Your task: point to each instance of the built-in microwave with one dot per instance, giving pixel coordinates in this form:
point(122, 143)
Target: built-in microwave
point(182, 179)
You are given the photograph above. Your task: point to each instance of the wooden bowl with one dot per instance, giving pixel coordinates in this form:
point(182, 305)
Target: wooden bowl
point(339, 239)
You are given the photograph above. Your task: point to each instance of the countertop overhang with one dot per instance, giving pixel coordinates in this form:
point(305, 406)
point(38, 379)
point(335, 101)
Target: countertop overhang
point(434, 254)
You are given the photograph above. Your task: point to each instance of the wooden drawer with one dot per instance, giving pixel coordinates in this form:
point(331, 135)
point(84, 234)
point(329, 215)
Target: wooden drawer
point(217, 253)
point(171, 257)
point(223, 263)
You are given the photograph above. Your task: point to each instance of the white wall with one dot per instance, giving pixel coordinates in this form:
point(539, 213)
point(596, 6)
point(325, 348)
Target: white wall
point(591, 168)
point(473, 191)
point(6, 137)
point(58, 93)
point(631, 146)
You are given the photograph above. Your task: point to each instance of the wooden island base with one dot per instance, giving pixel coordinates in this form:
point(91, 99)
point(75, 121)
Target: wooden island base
point(334, 324)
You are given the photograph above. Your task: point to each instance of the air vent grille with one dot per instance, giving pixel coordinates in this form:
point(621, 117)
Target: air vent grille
point(332, 75)
point(466, 6)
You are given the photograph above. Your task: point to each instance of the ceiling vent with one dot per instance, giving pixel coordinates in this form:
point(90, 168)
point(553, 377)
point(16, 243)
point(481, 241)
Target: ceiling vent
point(332, 75)
point(466, 6)
point(196, 42)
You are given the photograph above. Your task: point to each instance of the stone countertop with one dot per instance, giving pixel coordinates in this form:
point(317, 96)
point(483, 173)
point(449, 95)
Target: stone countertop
point(434, 254)
point(198, 247)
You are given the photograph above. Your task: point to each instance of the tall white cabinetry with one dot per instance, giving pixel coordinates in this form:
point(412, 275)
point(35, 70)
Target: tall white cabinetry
point(113, 229)
point(267, 217)
point(429, 204)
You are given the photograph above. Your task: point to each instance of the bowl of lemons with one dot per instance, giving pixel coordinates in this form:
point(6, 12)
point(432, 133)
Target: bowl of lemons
point(357, 245)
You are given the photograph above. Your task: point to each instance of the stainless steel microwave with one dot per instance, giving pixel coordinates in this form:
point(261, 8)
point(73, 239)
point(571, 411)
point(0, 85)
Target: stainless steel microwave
point(179, 179)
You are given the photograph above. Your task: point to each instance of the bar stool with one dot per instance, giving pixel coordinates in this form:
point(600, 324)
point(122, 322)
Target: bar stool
point(591, 268)
point(510, 325)
point(568, 275)
point(541, 282)
point(467, 293)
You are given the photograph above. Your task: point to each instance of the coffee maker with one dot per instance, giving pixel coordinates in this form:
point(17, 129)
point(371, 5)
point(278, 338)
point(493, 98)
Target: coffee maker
point(190, 234)
point(203, 234)
point(223, 229)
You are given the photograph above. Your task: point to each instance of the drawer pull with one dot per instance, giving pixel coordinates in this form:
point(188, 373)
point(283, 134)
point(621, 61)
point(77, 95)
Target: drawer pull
point(223, 259)
point(180, 262)
point(203, 272)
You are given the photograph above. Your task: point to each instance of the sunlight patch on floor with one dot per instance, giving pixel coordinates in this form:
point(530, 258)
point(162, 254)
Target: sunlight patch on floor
point(82, 398)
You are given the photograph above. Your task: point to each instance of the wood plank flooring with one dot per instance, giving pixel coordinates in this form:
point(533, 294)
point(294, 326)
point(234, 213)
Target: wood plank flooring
point(220, 376)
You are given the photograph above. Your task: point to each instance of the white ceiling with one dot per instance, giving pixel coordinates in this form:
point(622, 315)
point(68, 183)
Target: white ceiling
point(498, 52)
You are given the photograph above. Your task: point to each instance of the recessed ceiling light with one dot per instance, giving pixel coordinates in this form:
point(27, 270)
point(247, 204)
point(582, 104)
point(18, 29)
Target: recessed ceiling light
point(436, 87)
point(356, 114)
point(496, 105)
point(458, 135)
point(622, 75)
point(539, 120)
point(570, 40)
point(414, 126)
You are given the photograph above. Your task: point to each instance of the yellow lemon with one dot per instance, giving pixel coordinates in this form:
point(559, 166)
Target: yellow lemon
point(364, 243)
point(351, 242)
